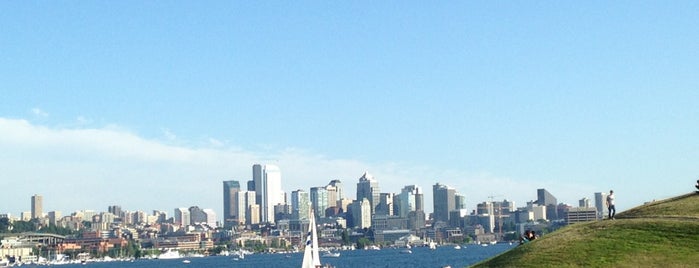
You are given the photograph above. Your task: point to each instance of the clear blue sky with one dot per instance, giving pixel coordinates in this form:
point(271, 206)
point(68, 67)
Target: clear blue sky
point(492, 98)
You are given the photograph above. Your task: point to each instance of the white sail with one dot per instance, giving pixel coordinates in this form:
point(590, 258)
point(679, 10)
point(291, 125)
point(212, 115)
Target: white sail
point(311, 258)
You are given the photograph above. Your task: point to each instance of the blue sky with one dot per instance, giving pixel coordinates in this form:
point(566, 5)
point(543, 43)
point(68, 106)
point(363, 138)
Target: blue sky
point(167, 99)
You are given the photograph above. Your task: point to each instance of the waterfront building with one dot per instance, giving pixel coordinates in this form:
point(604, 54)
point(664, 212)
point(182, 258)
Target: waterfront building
point(368, 188)
point(443, 202)
point(37, 206)
point(231, 208)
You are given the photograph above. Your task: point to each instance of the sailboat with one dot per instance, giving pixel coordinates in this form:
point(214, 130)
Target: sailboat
point(311, 258)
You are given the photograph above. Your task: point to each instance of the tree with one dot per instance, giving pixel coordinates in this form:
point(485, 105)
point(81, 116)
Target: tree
point(5, 225)
point(363, 242)
point(345, 237)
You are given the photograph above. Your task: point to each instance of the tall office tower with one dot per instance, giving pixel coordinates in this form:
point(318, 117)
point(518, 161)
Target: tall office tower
point(268, 189)
point(508, 207)
point(116, 210)
point(344, 203)
point(584, 202)
point(409, 200)
point(459, 201)
point(549, 201)
point(182, 217)
point(37, 206)
point(338, 187)
point(139, 217)
point(443, 202)
point(160, 215)
point(54, 216)
point(231, 208)
point(485, 208)
point(252, 215)
point(368, 188)
point(420, 201)
point(385, 206)
point(300, 205)
point(210, 217)
point(332, 195)
point(251, 185)
point(243, 201)
point(258, 182)
point(361, 213)
point(600, 199)
point(319, 201)
point(196, 215)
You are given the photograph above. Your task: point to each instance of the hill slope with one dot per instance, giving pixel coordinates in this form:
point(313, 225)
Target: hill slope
point(663, 233)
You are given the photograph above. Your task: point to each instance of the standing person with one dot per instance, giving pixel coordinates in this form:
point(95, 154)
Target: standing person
point(610, 204)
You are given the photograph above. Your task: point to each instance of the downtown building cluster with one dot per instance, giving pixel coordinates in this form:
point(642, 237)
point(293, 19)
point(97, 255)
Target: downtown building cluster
point(259, 212)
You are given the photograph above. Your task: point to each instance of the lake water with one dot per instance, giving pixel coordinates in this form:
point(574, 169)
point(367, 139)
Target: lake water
point(420, 257)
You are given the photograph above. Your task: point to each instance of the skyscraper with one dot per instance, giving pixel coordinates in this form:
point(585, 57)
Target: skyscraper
point(338, 189)
point(443, 202)
point(410, 200)
point(599, 204)
point(460, 202)
point(332, 195)
point(37, 206)
point(319, 201)
point(368, 188)
point(196, 215)
point(300, 205)
point(182, 217)
point(244, 200)
point(268, 189)
point(549, 201)
point(231, 209)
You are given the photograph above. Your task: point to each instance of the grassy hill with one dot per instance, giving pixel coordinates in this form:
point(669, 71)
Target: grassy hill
point(658, 234)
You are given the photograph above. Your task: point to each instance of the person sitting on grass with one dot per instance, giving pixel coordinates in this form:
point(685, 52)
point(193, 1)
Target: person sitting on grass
point(697, 186)
point(525, 237)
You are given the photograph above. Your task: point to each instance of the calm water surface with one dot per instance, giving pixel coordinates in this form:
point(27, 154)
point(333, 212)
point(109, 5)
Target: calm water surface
point(421, 257)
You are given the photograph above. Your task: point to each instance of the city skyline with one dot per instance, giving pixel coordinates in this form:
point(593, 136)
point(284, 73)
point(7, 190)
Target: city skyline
point(153, 103)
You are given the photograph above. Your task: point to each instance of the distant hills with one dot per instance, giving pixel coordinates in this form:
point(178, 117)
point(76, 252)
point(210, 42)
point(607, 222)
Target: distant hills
point(662, 233)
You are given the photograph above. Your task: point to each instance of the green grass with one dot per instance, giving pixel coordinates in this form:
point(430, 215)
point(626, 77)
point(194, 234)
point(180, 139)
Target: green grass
point(661, 234)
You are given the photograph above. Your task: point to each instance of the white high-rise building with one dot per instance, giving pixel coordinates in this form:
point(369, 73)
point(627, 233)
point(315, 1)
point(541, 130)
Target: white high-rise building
point(210, 217)
point(244, 200)
point(600, 199)
point(268, 189)
point(182, 216)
